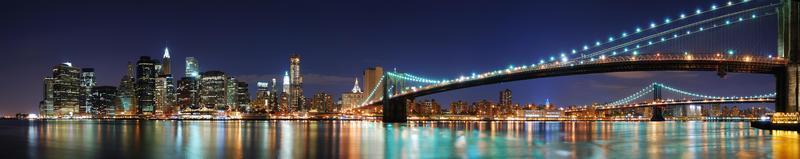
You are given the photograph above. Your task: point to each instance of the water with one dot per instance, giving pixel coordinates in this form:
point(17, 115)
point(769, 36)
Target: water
point(83, 139)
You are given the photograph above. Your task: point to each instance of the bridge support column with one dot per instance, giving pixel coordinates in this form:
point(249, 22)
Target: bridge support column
point(658, 114)
point(394, 109)
point(786, 99)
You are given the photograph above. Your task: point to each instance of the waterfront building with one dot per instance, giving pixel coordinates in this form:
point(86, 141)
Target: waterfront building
point(103, 104)
point(230, 94)
point(296, 84)
point(242, 97)
point(323, 103)
point(459, 108)
point(213, 90)
point(46, 105)
point(188, 94)
point(263, 98)
point(372, 76)
point(66, 90)
point(88, 82)
point(146, 85)
point(353, 98)
point(164, 96)
point(505, 102)
point(126, 93)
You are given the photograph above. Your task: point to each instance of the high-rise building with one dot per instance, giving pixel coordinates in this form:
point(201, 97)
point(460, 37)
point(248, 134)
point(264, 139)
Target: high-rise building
point(263, 98)
point(165, 63)
point(213, 90)
point(87, 83)
point(353, 98)
point(242, 97)
point(459, 108)
point(192, 68)
point(505, 101)
point(103, 101)
point(188, 94)
point(322, 102)
point(146, 85)
point(286, 83)
point(296, 97)
point(165, 96)
point(126, 95)
point(46, 105)
point(372, 77)
point(66, 89)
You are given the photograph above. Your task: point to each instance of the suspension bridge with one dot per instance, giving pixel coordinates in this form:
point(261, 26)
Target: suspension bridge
point(650, 48)
point(659, 101)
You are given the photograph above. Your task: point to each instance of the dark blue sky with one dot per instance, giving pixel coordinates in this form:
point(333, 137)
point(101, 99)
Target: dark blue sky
point(337, 40)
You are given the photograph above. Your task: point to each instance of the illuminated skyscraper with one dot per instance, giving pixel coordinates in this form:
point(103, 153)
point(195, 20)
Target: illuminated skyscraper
point(145, 85)
point(372, 77)
point(296, 97)
point(103, 101)
point(126, 95)
point(263, 96)
point(213, 92)
point(46, 105)
point(188, 94)
point(505, 101)
point(87, 83)
point(353, 98)
point(286, 82)
point(242, 97)
point(66, 89)
point(165, 63)
point(192, 68)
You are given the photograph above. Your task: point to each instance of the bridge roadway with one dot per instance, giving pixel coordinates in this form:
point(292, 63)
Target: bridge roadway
point(675, 102)
point(650, 62)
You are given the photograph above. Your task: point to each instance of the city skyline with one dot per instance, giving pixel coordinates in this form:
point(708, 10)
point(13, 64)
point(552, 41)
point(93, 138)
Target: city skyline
point(334, 78)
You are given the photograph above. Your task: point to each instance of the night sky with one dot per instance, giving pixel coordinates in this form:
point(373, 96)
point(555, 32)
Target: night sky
point(253, 40)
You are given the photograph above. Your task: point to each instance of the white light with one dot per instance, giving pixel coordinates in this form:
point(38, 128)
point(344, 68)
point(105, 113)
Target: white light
point(730, 3)
point(698, 11)
point(585, 47)
point(597, 43)
point(713, 7)
point(638, 30)
point(573, 51)
point(652, 25)
point(663, 39)
point(610, 39)
point(624, 34)
point(683, 16)
point(68, 64)
point(727, 22)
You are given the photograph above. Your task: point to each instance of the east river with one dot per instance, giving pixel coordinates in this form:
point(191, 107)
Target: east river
point(84, 139)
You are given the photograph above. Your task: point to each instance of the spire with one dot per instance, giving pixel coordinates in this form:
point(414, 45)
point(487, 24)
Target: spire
point(356, 89)
point(166, 52)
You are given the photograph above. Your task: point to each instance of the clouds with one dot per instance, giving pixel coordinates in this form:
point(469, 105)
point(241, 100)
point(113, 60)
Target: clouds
point(309, 79)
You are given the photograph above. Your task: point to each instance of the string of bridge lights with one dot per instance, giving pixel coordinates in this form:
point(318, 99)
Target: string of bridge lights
point(371, 93)
point(650, 89)
point(634, 96)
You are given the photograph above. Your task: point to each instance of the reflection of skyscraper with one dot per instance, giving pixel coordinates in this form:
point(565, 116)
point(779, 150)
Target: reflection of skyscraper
point(372, 77)
point(87, 83)
point(296, 87)
point(145, 85)
point(192, 68)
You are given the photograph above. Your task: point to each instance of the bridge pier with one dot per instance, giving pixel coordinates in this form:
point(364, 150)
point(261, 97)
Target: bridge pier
point(786, 80)
point(658, 114)
point(394, 108)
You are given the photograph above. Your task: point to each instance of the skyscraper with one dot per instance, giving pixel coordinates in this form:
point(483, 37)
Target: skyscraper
point(46, 105)
point(87, 83)
point(263, 96)
point(103, 101)
point(213, 91)
point(188, 94)
point(372, 77)
point(145, 85)
point(505, 101)
point(296, 97)
point(192, 68)
point(353, 98)
point(66, 89)
point(126, 95)
point(242, 97)
point(165, 63)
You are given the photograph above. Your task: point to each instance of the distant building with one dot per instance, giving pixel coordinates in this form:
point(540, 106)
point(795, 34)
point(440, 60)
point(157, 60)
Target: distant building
point(296, 97)
point(192, 68)
point(103, 101)
point(263, 98)
point(146, 85)
point(505, 102)
point(46, 105)
point(459, 108)
point(126, 93)
point(322, 102)
point(353, 98)
point(88, 82)
point(372, 77)
point(242, 97)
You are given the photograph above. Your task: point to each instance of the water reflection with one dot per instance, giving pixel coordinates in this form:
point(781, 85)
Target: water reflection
point(368, 139)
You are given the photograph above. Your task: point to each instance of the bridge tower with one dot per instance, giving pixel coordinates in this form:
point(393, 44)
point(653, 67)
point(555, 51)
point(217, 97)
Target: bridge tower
point(658, 114)
point(394, 109)
point(787, 80)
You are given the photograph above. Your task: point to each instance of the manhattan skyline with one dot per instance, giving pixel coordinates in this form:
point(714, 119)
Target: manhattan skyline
point(256, 47)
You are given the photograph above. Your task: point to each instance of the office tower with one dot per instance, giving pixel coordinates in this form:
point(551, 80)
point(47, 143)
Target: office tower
point(66, 89)
point(192, 68)
point(372, 77)
point(213, 90)
point(459, 108)
point(230, 94)
point(188, 94)
point(145, 85)
point(165, 96)
point(286, 82)
point(296, 84)
point(126, 95)
point(87, 83)
point(46, 105)
point(353, 98)
point(103, 104)
point(263, 96)
point(242, 97)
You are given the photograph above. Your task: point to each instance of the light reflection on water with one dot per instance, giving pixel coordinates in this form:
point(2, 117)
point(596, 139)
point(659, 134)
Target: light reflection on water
point(369, 139)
